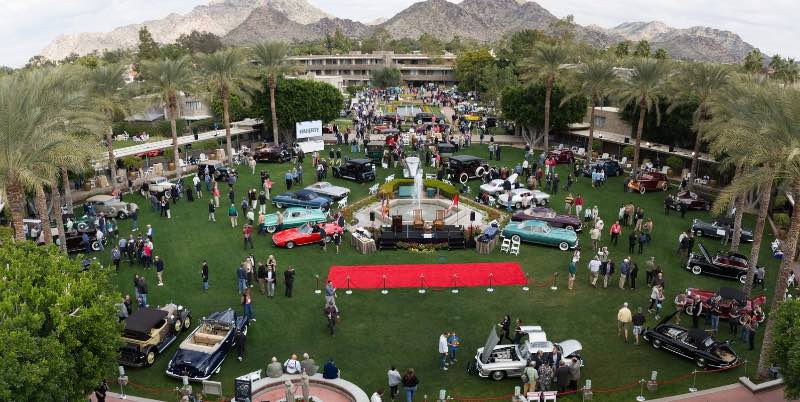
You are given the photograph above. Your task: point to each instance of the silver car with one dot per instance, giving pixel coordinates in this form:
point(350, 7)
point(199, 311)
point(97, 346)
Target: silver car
point(495, 186)
point(328, 190)
point(111, 206)
point(158, 185)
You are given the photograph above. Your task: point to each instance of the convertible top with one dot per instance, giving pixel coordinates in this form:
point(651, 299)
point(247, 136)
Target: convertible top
point(733, 294)
point(696, 336)
point(143, 320)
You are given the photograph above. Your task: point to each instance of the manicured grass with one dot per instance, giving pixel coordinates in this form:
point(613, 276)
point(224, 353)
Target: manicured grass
point(130, 143)
point(402, 327)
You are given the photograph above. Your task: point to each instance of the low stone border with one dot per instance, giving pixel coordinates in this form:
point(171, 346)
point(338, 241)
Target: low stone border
point(357, 393)
point(764, 386)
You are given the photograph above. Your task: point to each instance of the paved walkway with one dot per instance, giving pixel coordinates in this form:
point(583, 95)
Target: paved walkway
point(728, 393)
point(115, 397)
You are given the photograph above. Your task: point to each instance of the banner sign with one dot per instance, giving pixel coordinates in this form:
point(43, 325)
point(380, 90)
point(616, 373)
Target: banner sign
point(309, 129)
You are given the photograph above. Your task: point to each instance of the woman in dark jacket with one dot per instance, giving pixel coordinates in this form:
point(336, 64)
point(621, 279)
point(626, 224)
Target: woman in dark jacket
point(505, 328)
point(410, 383)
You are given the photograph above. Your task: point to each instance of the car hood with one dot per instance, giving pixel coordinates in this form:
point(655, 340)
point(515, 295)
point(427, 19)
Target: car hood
point(564, 233)
point(192, 363)
point(285, 235)
point(570, 346)
point(491, 341)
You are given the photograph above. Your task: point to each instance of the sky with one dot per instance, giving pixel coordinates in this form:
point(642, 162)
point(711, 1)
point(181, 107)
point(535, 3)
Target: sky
point(27, 26)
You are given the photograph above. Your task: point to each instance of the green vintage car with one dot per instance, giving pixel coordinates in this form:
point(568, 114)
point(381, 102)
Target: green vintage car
point(293, 217)
point(539, 232)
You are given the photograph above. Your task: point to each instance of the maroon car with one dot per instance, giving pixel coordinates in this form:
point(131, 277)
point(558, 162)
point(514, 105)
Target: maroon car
point(687, 200)
point(562, 155)
point(649, 181)
point(550, 216)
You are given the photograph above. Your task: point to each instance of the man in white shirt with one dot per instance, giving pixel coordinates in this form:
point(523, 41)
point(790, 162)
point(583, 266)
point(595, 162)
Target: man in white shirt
point(594, 269)
point(394, 381)
point(376, 397)
point(443, 351)
point(292, 366)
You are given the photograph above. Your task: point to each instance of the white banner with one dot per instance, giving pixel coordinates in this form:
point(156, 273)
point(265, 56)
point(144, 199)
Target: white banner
point(310, 146)
point(309, 129)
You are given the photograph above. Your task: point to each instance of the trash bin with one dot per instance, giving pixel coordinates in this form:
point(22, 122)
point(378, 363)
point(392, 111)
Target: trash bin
point(431, 192)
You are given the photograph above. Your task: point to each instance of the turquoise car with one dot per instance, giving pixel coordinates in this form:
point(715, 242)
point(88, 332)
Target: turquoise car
point(540, 232)
point(293, 217)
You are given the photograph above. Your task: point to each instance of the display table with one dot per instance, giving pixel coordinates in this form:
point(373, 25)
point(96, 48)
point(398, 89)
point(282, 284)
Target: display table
point(486, 247)
point(362, 244)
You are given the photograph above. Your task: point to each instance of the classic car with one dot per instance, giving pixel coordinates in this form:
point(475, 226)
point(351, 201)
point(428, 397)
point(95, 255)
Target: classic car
point(538, 232)
point(393, 117)
point(200, 355)
point(553, 218)
point(158, 185)
point(75, 241)
point(465, 167)
point(110, 206)
point(649, 181)
point(375, 150)
point(269, 152)
point(148, 332)
point(360, 170)
point(293, 217)
point(423, 117)
point(83, 223)
point(495, 187)
point(446, 149)
point(609, 166)
point(385, 130)
point(520, 195)
point(217, 170)
point(562, 155)
point(302, 198)
point(693, 344)
point(726, 264)
point(733, 304)
point(306, 234)
point(718, 228)
point(500, 361)
point(473, 117)
point(326, 189)
point(687, 200)
point(151, 153)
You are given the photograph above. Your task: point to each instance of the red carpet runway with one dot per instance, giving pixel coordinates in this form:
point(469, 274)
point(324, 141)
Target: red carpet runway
point(433, 275)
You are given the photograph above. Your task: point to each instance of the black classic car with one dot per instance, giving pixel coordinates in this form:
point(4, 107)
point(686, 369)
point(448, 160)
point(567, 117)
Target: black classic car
point(359, 170)
point(148, 332)
point(687, 200)
point(724, 264)
point(217, 170)
point(465, 167)
point(75, 242)
point(200, 355)
point(693, 344)
point(271, 153)
point(611, 167)
point(718, 228)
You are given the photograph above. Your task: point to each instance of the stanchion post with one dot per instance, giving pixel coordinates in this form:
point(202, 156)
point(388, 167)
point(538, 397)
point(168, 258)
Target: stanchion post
point(641, 397)
point(384, 291)
point(490, 288)
point(555, 281)
point(348, 291)
point(455, 287)
point(526, 287)
point(122, 380)
point(317, 291)
point(693, 388)
point(422, 284)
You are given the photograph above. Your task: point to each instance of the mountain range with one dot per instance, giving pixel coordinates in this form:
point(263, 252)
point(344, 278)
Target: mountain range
point(241, 22)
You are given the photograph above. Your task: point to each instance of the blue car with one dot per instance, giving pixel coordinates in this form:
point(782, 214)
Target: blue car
point(302, 198)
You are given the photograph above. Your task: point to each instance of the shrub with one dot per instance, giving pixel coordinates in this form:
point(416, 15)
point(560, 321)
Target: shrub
point(132, 162)
point(781, 219)
point(675, 163)
point(628, 151)
point(205, 145)
point(597, 145)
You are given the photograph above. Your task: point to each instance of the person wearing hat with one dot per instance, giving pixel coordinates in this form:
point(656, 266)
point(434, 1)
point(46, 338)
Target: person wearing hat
point(330, 371)
point(624, 320)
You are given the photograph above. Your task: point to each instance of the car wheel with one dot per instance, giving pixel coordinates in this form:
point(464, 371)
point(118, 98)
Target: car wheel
point(498, 375)
point(742, 278)
point(656, 344)
point(278, 205)
point(665, 187)
point(178, 326)
point(167, 194)
point(570, 227)
point(698, 233)
point(697, 270)
point(563, 246)
point(290, 244)
point(96, 246)
point(463, 178)
point(149, 356)
point(516, 239)
point(187, 322)
point(143, 193)
point(83, 226)
point(700, 362)
point(272, 229)
point(642, 190)
point(688, 309)
point(327, 239)
point(518, 205)
point(121, 215)
point(480, 171)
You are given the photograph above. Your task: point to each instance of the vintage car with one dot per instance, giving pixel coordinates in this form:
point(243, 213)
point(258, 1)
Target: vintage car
point(495, 187)
point(151, 153)
point(375, 150)
point(465, 167)
point(693, 344)
point(473, 117)
point(687, 200)
point(538, 232)
point(649, 181)
point(217, 170)
point(201, 353)
point(718, 228)
point(293, 217)
point(609, 166)
point(520, 195)
point(724, 264)
point(326, 189)
point(359, 170)
point(75, 241)
point(158, 185)
point(733, 304)
point(148, 332)
point(110, 206)
point(385, 130)
point(562, 155)
point(269, 152)
point(83, 223)
point(302, 198)
point(423, 117)
point(446, 149)
point(306, 234)
point(500, 361)
point(393, 117)
point(553, 218)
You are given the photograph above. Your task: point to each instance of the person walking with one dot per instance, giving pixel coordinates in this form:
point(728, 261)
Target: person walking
point(332, 314)
point(247, 306)
point(215, 194)
point(632, 238)
point(634, 273)
point(330, 293)
point(134, 217)
point(505, 328)
point(615, 231)
point(116, 257)
point(572, 270)
point(288, 280)
point(233, 214)
point(714, 311)
point(624, 272)
point(443, 351)
point(562, 376)
point(241, 276)
point(594, 270)
point(247, 235)
point(204, 275)
point(262, 203)
point(638, 325)
point(623, 321)
point(410, 384)
point(578, 205)
point(261, 276)
point(271, 278)
point(159, 263)
point(395, 380)
point(212, 209)
point(166, 208)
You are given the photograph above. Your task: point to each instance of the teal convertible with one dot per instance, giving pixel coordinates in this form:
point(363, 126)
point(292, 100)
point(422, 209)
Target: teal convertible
point(293, 217)
point(539, 232)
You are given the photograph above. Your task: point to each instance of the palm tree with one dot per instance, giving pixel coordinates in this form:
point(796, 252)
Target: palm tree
point(272, 56)
point(595, 80)
point(169, 79)
point(643, 87)
point(546, 63)
point(228, 73)
point(106, 83)
point(37, 108)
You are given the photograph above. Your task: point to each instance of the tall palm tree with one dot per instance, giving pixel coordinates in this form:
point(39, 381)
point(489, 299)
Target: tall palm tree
point(37, 108)
point(228, 73)
point(169, 80)
point(272, 57)
point(644, 85)
point(546, 63)
point(106, 85)
point(595, 81)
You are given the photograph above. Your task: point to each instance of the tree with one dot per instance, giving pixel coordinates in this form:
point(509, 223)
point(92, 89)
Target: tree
point(59, 328)
point(341, 42)
point(430, 45)
point(525, 106)
point(753, 62)
point(496, 79)
point(786, 347)
point(622, 50)
point(148, 48)
point(228, 73)
point(661, 54)
point(595, 81)
point(642, 49)
point(546, 63)
point(105, 85)
point(237, 109)
point(643, 87)
point(272, 57)
point(172, 51)
point(200, 42)
point(385, 77)
point(563, 29)
point(674, 128)
point(168, 79)
point(785, 70)
point(301, 100)
point(39, 61)
point(469, 68)
point(517, 46)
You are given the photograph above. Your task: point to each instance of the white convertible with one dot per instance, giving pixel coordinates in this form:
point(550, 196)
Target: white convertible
point(495, 186)
point(522, 197)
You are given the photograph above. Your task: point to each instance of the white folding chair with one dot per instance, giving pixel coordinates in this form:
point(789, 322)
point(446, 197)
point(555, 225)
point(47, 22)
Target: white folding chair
point(581, 151)
point(203, 157)
point(605, 156)
point(342, 203)
point(549, 396)
point(389, 178)
point(492, 201)
point(506, 245)
point(430, 176)
point(533, 397)
point(514, 248)
point(560, 146)
point(623, 161)
point(373, 190)
point(445, 181)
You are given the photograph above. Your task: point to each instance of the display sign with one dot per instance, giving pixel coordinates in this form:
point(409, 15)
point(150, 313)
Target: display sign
point(310, 146)
point(309, 129)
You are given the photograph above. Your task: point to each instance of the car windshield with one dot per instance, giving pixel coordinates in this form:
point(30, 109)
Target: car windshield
point(545, 229)
point(305, 229)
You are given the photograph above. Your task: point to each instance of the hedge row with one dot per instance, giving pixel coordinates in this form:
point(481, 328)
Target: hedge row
point(161, 128)
point(446, 190)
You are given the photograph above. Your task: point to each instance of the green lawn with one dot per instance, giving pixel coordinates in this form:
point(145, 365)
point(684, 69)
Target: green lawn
point(402, 327)
point(130, 143)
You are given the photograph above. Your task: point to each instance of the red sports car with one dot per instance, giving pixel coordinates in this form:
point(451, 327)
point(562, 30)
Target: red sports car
point(732, 303)
point(649, 181)
point(306, 234)
point(151, 154)
point(562, 155)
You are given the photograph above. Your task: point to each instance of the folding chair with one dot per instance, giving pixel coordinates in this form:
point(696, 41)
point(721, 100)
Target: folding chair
point(534, 396)
point(389, 178)
point(506, 246)
point(430, 176)
point(514, 248)
point(549, 396)
point(342, 203)
point(373, 190)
